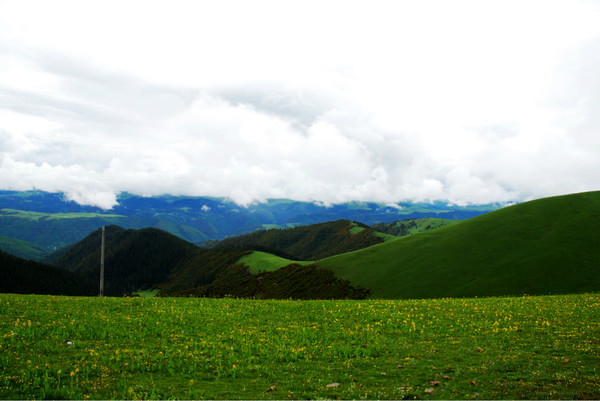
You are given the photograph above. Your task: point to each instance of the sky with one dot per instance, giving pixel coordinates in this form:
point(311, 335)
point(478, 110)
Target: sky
point(468, 102)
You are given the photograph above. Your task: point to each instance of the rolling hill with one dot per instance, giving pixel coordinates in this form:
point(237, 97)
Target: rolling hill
point(312, 242)
point(134, 259)
point(214, 271)
point(412, 226)
point(151, 258)
point(546, 246)
point(22, 276)
point(50, 221)
point(22, 249)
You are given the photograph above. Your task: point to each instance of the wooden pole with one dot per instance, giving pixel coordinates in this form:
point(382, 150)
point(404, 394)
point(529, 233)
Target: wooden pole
point(102, 265)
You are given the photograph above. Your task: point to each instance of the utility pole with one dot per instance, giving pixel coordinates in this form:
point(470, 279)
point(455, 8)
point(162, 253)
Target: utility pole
point(102, 265)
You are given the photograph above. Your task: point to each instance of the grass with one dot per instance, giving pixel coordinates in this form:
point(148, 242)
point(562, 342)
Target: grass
point(356, 229)
point(545, 246)
point(191, 348)
point(428, 223)
point(259, 262)
point(385, 237)
point(22, 249)
point(36, 216)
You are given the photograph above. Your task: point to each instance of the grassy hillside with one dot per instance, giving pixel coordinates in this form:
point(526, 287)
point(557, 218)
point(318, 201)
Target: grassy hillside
point(50, 231)
point(549, 245)
point(22, 276)
point(259, 262)
point(312, 242)
point(412, 226)
point(22, 249)
point(51, 221)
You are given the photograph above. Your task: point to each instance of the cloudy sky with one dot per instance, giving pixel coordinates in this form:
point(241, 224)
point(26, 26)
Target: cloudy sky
point(464, 101)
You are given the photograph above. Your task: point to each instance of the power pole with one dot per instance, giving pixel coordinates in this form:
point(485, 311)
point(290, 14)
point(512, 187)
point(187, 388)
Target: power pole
point(102, 265)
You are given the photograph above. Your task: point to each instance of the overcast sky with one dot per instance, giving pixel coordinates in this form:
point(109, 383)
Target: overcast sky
point(469, 102)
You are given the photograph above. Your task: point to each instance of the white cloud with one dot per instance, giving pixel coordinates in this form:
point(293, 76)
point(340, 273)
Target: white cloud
point(328, 101)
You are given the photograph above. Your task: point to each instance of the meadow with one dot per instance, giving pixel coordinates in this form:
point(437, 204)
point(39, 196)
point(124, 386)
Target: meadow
point(543, 347)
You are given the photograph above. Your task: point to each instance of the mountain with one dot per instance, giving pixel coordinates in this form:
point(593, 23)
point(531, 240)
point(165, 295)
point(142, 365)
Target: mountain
point(50, 221)
point(546, 246)
point(152, 258)
point(22, 249)
point(411, 226)
point(134, 259)
point(22, 276)
point(51, 231)
point(312, 242)
point(213, 272)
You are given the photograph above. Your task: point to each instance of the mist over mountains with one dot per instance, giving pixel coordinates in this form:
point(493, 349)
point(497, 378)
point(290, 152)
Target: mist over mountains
point(547, 246)
point(50, 221)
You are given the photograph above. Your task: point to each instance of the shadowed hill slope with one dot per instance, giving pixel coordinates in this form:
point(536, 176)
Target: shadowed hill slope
point(22, 276)
point(312, 242)
point(549, 245)
point(134, 259)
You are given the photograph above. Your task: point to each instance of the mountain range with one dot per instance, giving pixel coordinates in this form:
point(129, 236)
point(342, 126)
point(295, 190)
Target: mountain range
point(546, 246)
point(42, 222)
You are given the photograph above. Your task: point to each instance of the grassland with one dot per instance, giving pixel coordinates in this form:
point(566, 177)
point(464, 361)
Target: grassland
point(547, 246)
point(36, 216)
point(413, 226)
point(162, 348)
point(259, 262)
point(22, 249)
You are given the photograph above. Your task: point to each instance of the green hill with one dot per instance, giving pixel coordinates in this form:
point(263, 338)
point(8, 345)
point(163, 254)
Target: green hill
point(22, 276)
point(259, 262)
point(412, 226)
point(51, 221)
point(312, 242)
point(217, 273)
point(546, 246)
point(22, 249)
point(134, 259)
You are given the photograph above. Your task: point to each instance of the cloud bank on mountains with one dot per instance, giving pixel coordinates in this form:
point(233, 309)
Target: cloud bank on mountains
point(469, 102)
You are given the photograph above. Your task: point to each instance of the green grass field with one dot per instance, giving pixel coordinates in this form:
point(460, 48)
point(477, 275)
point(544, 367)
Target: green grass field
point(28, 215)
point(190, 348)
point(259, 262)
point(546, 246)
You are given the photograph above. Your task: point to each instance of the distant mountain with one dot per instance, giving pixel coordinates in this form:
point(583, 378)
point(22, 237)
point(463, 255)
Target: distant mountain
point(152, 258)
point(22, 276)
point(212, 272)
point(134, 259)
point(312, 242)
point(50, 221)
point(22, 249)
point(546, 246)
point(412, 226)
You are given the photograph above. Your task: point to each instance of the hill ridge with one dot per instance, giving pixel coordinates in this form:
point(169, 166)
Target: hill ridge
point(549, 245)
